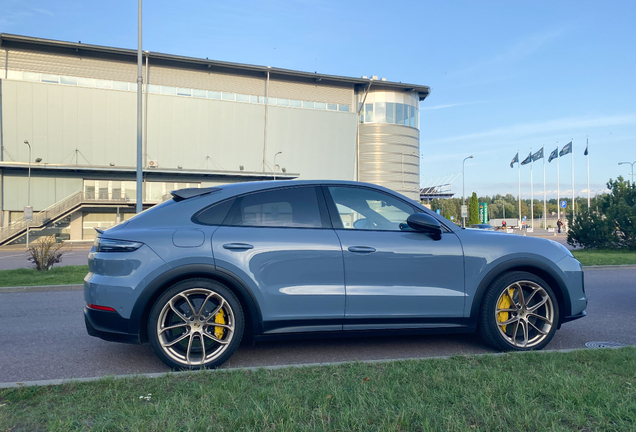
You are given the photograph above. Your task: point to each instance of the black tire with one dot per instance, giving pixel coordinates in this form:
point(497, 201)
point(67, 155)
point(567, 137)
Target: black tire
point(183, 352)
point(507, 337)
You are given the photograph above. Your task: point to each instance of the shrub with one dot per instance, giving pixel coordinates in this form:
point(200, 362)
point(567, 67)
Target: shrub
point(613, 226)
point(45, 252)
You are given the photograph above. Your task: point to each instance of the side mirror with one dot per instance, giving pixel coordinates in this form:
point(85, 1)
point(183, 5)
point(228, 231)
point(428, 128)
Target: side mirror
point(425, 223)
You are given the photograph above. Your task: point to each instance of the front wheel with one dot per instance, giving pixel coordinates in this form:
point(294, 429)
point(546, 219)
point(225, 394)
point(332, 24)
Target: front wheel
point(195, 324)
point(519, 313)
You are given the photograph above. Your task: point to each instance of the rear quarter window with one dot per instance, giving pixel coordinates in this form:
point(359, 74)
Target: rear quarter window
point(215, 214)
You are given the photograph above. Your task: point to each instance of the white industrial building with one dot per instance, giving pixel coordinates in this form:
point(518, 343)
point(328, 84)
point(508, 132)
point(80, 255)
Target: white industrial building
point(206, 123)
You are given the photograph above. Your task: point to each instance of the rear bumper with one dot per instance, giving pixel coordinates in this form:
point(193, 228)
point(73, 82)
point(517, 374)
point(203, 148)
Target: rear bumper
point(109, 326)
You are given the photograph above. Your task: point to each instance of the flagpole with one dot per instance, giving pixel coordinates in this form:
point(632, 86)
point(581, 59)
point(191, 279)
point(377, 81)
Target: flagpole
point(545, 213)
point(587, 150)
point(519, 196)
point(558, 191)
point(572, 151)
point(531, 191)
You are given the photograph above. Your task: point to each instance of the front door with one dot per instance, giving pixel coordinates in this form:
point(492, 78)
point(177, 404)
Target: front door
point(395, 277)
point(281, 243)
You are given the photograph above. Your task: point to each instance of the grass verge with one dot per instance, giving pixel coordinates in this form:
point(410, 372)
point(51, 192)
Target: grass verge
point(582, 390)
point(605, 257)
point(31, 277)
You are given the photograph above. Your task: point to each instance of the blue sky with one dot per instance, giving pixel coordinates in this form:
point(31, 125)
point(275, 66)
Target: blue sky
point(505, 76)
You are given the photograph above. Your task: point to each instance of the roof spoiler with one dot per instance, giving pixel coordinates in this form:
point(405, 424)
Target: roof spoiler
point(184, 194)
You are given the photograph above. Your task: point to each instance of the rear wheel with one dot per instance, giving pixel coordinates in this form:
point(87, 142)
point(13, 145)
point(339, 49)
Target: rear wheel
point(195, 324)
point(519, 313)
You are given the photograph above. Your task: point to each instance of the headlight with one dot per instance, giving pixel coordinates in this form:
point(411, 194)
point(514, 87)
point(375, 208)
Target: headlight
point(110, 245)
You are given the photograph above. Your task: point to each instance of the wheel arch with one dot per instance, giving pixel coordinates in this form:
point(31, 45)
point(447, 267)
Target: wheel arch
point(540, 269)
point(143, 306)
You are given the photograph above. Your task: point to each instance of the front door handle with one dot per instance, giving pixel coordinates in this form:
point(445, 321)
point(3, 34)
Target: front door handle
point(361, 249)
point(237, 246)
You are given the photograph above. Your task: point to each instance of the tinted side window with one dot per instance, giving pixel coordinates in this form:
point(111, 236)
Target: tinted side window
point(214, 215)
point(366, 209)
point(293, 207)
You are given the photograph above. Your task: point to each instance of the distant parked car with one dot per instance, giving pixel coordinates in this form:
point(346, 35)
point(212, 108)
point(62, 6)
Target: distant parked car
point(483, 227)
point(198, 272)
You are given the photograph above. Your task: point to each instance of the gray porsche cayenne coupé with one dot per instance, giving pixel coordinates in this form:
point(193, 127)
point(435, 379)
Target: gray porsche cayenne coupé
point(211, 266)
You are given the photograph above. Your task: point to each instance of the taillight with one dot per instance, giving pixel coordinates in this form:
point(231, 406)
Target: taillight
point(111, 245)
point(100, 308)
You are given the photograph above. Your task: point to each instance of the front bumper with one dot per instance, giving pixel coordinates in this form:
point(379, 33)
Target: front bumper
point(573, 317)
point(109, 326)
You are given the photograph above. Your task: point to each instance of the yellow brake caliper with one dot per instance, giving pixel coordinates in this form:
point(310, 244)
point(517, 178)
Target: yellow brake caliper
point(219, 318)
point(504, 303)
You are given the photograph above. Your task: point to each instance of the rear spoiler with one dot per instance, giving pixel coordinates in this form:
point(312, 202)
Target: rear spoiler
point(184, 194)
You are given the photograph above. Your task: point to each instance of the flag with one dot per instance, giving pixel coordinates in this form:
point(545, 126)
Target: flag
point(585, 154)
point(538, 155)
point(514, 160)
point(554, 154)
point(527, 160)
point(566, 149)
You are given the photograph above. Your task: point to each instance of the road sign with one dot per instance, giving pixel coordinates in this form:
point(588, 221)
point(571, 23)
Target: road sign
point(483, 213)
point(564, 204)
point(28, 213)
point(437, 211)
point(464, 211)
point(523, 219)
point(452, 217)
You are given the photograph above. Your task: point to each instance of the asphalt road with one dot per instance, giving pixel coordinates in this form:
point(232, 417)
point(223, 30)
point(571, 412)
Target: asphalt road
point(43, 337)
point(14, 258)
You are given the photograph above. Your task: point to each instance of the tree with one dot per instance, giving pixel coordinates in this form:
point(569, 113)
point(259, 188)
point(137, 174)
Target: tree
point(473, 209)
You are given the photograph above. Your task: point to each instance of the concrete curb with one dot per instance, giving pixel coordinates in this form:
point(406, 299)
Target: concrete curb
point(41, 288)
point(610, 267)
point(39, 383)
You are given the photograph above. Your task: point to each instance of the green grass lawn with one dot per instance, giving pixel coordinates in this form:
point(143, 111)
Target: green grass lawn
point(578, 391)
point(31, 277)
point(605, 257)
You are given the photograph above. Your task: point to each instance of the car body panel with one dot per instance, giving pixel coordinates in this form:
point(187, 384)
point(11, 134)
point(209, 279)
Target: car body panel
point(408, 275)
point(294, 273)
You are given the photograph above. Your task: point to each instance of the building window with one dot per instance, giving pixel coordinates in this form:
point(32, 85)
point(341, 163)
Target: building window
point(184, 91)
point(73, 81)
point(229, 96)
point(320, 105)
point(214, 95)
point(199, 93)
point(343, 108)
point(50, 78)
point(332, 107)
point(368, 113)
point(153, 88)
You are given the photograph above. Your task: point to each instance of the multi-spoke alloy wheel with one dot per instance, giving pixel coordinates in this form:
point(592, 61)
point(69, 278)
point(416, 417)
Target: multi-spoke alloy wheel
point(195, 324)
point(519, 312)
point(524, 314)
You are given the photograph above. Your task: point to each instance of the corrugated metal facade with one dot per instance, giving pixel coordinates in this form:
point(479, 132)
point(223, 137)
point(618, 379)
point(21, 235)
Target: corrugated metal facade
point(389, 156)
point(88, 67)
point(204, 80)
point(311, 92)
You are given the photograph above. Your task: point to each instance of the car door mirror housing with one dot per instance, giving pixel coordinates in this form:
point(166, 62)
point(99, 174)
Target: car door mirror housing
point(425, 223)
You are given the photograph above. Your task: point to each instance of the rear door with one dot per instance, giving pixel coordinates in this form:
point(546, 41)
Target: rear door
point(280, 242)
point(395, 276)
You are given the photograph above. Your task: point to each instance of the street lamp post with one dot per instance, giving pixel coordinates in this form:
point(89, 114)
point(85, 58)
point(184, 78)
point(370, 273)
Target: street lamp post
point(632, 164)
point(464, 189)
point(275, 163)
point(28, 193)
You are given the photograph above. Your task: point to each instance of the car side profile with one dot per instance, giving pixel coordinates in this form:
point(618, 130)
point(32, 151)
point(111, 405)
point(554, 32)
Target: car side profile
point(199, 272)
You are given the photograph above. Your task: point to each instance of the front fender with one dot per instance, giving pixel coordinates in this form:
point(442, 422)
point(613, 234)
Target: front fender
point(479, 277)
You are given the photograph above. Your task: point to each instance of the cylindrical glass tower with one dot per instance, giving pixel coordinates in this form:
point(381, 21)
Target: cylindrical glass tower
point(389, 137)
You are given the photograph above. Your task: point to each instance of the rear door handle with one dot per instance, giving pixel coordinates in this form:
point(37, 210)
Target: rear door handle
point(361, 249)
point(237, 246)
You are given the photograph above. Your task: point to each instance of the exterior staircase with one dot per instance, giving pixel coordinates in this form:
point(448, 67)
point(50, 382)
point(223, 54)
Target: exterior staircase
point(54, 213)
